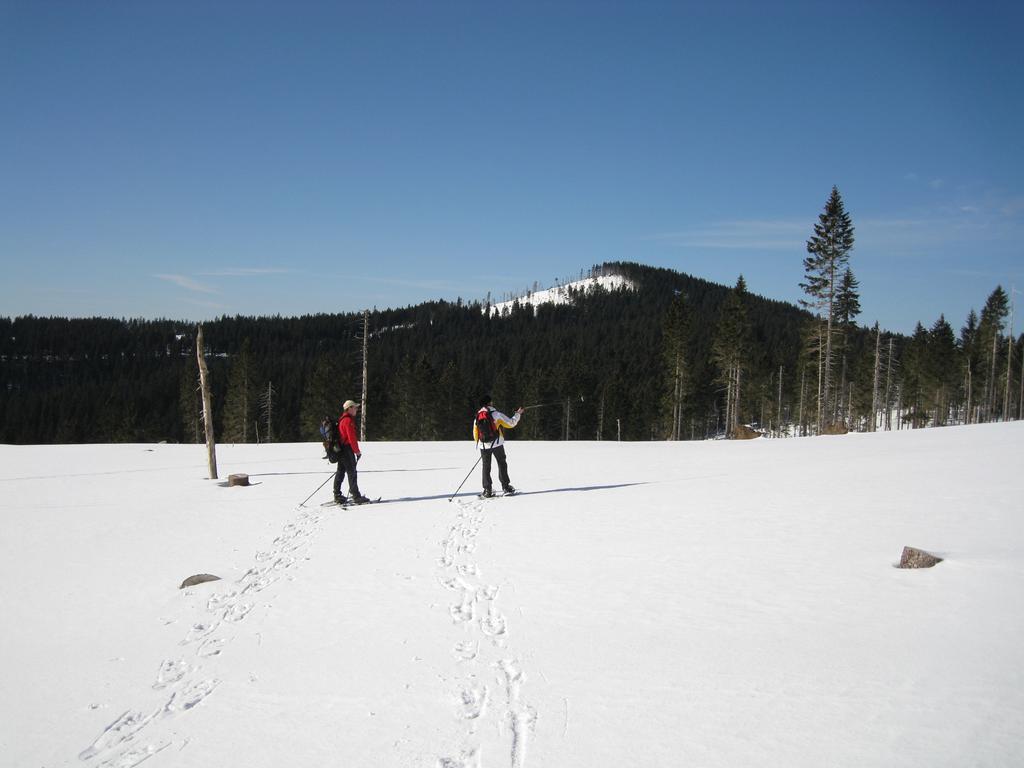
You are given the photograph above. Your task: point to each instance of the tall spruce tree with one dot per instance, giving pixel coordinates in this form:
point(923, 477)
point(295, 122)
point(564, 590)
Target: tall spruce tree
point(829, 251)
point(990, 329)
point(676, 343)
point(239, 403)
point(971, 361)
point(190, 402)
point(321, 398)
point(730, 350)
point(846, 307)
point(941, 369)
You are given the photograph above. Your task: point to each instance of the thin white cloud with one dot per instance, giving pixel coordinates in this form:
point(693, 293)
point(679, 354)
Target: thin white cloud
point(186, 282)
point(1013, 207)
point(247, 272)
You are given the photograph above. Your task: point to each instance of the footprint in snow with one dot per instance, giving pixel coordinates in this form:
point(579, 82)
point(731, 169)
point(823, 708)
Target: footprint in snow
point(466, 650)
point(493, 624)
point(462, 613)
point(468, 759)
point(211, 648)
point(119, 731)
point(220, 601)
point(134, 756)
point(199, 631)
point(186, 699)
point(237, 612)
point(170, 672)
point(472, 703)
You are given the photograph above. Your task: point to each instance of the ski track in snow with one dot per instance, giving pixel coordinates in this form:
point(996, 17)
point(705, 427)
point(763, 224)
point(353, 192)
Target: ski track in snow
point(184, 680)
point(487, 693)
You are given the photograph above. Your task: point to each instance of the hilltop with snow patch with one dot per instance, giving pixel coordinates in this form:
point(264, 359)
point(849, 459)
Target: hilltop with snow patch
point(563, 292)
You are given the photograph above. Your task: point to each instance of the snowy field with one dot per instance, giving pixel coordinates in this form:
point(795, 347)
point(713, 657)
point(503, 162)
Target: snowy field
point(640, 604)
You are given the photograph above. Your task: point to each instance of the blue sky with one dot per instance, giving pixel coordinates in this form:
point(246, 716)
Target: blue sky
point(188, 159)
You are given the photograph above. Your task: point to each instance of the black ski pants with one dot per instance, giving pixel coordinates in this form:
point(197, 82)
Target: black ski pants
point(499, 454)
point(347, 465)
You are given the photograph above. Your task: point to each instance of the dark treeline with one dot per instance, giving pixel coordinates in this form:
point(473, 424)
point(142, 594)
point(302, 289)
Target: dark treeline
point(603, 367)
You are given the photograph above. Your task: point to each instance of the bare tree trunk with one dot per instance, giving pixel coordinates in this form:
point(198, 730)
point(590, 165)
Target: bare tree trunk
point(204, 384)
point(778, 417)
point(800, 415)
point(1009, 369)
point(990, 393)
point(362, 408)
point(736, 408)
point(875, 379)
point(821, 413)
point(1020, 400)
point(269, 410)
point(888, 383)
point(728, 404)
point(968, 414)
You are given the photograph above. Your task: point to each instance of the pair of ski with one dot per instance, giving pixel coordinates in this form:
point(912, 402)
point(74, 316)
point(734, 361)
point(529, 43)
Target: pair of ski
point(348, 504)
point(484, 497)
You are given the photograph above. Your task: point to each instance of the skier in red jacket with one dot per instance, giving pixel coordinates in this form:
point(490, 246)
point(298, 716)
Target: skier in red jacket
point(349, 457)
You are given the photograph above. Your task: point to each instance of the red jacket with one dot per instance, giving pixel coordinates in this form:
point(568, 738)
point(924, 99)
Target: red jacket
point(347, 430)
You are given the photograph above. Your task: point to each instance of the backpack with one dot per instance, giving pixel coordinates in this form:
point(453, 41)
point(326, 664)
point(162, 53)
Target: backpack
point(486, 429)
point(332, 438)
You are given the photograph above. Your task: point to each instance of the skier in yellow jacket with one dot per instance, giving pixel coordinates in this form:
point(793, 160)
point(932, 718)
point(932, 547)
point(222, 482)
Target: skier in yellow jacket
point(488, 432)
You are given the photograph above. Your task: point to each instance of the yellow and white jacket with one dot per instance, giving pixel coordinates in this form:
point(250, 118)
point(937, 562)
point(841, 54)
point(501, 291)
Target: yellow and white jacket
point(501, 421)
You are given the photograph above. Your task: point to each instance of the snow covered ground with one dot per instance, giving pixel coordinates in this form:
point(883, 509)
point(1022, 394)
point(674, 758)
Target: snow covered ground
point(651, 604)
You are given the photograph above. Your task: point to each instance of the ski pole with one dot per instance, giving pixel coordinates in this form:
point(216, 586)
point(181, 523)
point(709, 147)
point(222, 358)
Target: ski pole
point(317, 489)
point(465, 478)
point(545, 405)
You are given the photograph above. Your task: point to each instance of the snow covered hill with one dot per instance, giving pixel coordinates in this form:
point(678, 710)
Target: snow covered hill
point(561, 294)
point(655, 604)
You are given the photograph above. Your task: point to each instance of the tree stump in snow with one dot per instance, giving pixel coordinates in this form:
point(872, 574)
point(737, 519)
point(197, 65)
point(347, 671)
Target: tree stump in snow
point(199, 578)
point(238, 479)
point(743, 432)
point(917, 558)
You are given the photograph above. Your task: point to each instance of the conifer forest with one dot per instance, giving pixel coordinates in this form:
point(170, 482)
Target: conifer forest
point(671, 357)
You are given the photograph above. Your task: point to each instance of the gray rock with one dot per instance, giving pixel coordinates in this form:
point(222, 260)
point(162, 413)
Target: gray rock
point(199, 578)
point(238, 479)
point(917, 558)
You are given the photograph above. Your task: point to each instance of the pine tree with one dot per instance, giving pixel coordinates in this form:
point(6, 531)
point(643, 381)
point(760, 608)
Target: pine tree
point(730, 349)
point(914, 379)
point(829, 250)
point(321, 396)
point(190, 402)
point(941, 369)
point(267, 410)
point(240, 399)
point(971, 358)
point(990, 329)
point(846, 307)
point(676, 342)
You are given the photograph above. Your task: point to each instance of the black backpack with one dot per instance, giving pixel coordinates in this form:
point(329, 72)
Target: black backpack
point(332, 439)
point(486, 429)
